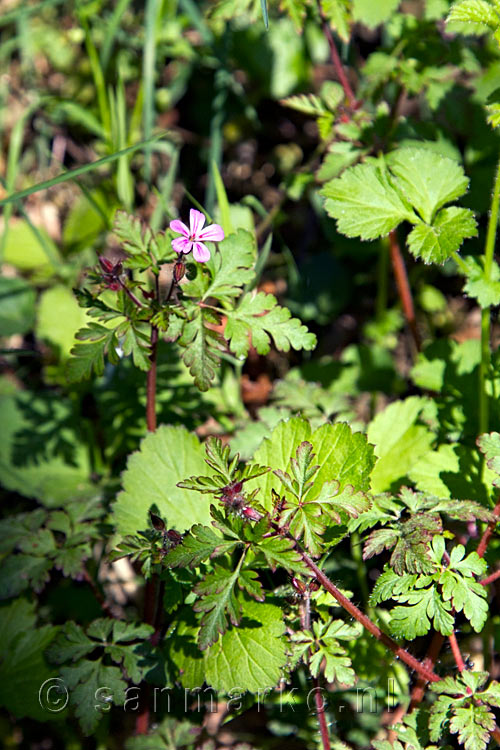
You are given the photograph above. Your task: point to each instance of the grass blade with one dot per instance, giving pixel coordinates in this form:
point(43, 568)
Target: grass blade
point(148, 78)
point(109, 39)
point(265, 16)
point(72, 173)
point(222, 201)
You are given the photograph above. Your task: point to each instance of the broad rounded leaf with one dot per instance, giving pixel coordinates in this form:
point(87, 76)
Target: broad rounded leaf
point(436, 243)
point(364, 203)
point(428, 179)
point(251, 655)
point(165, 458)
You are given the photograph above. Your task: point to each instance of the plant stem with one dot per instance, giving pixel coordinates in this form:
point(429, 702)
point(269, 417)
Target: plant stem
point(130, 294)
point(489, 251)
point(489, 531)
point(456, 652)
point(106, 607)
point(337, 64)
point(493, 577)
point(431, 656)
point(305, 624)
point(403, 286)
point(365, 621)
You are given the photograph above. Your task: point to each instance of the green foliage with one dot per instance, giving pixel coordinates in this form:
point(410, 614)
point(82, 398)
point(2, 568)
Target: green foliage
point(372, 199)
point(464, 707)
point(91, 680)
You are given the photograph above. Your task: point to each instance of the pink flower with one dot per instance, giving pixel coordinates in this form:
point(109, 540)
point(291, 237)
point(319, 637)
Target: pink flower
point(192, 237)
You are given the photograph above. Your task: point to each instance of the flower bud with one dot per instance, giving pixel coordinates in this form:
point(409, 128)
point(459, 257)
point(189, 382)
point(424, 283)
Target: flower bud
point(179, 271)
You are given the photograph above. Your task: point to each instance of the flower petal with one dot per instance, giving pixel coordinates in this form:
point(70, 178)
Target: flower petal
point(201, 253)
point(182, 245)
point(214, 232)
point(179, 226)
point(196, 221)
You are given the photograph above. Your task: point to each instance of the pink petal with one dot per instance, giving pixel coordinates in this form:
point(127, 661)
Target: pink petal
point(182, 245)
point(196, 221)
point(179, 226)
point(214, 232)
point(201, 253)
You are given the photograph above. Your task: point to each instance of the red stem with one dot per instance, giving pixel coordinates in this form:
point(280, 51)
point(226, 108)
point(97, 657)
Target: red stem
point(337, 64)
point(431, 656)
point(130, 294)
point(150, 593)
point(365, 621)
point(404, 291)
point(490, 578)
point(320, 713)
point(105, 606)
point(489, 531)
point(456, 652)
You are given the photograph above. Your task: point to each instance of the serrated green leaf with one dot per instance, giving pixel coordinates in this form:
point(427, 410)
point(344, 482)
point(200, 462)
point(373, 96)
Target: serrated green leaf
point(249, 657)
point(201, 350)
point(91, 684)
point(428, 179)
point(151, 478)
point(133, 235)
point(309, 104)
point(88, 357)
point(364, 203)
point(422, 606)
point(479, 16)
point(436, 243)
point(197, 546)
point(232, 267)
point(485, 291)
point(473, 725)
point(258, 319)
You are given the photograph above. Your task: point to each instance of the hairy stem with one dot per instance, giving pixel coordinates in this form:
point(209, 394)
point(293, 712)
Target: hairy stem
point(365, 621)
point(403, 286)
point(105, 606)
point(305, 624)
point(489, 531)
point(456, 652)
point(431, 656)
point(130, 294)
point(493, 577)
point(489, 251)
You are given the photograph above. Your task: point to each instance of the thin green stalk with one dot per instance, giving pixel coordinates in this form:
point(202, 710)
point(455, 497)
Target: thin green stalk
point(98, 76)
point(148, 77)
point(489, 252)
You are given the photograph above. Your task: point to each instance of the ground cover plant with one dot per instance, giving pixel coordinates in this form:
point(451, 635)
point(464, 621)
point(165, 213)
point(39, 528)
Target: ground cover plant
point(250, 444)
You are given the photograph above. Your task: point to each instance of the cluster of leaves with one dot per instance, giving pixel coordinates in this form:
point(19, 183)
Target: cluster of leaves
point(90, 680)
point(190, 314)
point(35, 542)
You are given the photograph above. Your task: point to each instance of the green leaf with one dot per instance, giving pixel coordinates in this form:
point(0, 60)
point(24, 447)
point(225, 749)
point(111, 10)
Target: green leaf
point(23, 664)
point(17, 306)
point(232, 266)
point(436, 243)
point(257, 319)
point(428, 179)
point(197, 546)
point(151, 478)
point(201, 349)
point(308, 104)
point(252, 655)
point(88, 357)
point(479, 16)
point(485, 291)
point(218, 601)
point(373, 14)
point(399, 441)
point(91, 686)
point(132, 233)
point(364, 203)
point(422, 606)
point(59, 319)
point(473, 725)
point(489, 444)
